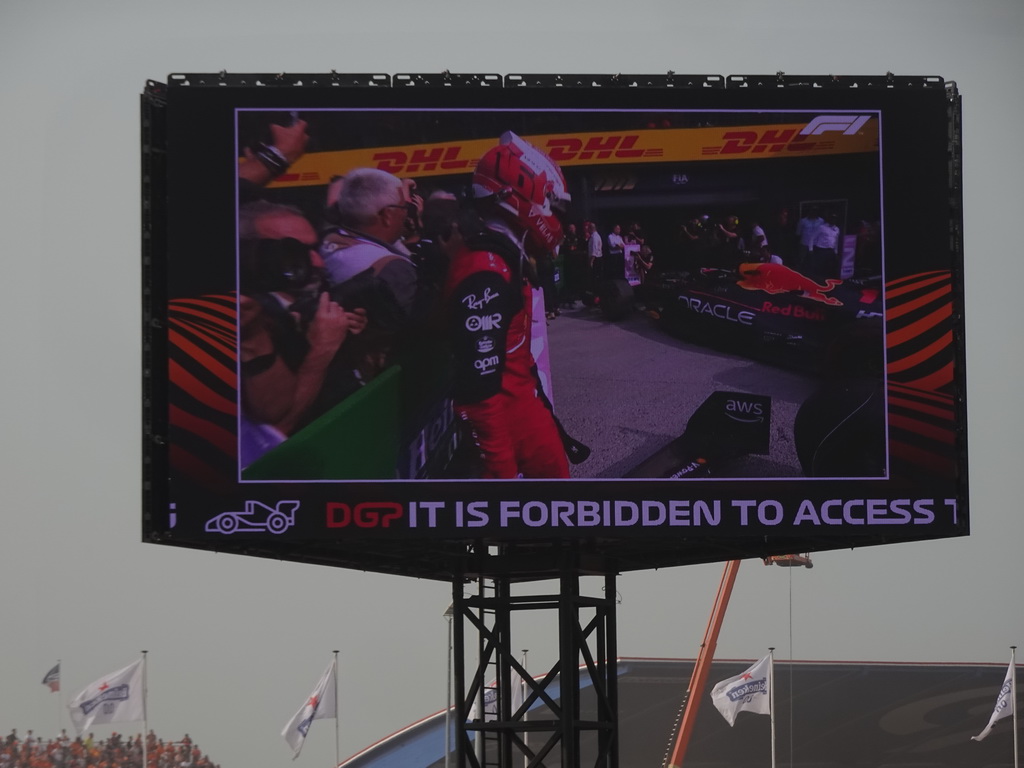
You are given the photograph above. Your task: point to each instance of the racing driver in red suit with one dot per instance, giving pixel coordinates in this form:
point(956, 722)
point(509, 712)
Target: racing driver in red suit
point(518, 194)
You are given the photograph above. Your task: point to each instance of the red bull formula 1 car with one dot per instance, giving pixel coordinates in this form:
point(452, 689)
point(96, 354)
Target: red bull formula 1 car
point(772, 312)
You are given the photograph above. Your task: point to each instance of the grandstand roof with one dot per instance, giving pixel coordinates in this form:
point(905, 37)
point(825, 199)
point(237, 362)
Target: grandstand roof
point(828, 715)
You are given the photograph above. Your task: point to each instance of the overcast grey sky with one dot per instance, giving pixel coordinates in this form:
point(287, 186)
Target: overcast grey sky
point(236, 644)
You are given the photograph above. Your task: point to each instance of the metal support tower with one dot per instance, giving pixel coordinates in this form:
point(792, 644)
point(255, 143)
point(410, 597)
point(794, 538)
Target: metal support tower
point(550, 724)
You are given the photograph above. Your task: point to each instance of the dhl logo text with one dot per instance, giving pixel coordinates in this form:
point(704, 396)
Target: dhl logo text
point(568, 149)
point(562, 149)
point(423, 160)
point(742, 142)
point(787, 139)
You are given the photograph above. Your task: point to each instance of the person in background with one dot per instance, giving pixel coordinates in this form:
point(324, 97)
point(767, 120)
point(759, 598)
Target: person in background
point(595, 253)
point(758, 239)
point(615, 264)
point(824, 254)
point(806, 229)
point(573, 250)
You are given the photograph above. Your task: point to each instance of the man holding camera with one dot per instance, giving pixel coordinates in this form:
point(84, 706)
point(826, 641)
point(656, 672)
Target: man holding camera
point(289, 328)
point(372, 207)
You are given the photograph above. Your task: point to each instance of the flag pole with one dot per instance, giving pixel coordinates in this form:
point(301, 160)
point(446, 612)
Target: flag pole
point(1013, 700)
point(448, 615)
point(60, 690)
point(771, 696)
point(337, 716)
point(526, 714)
point(145, 714)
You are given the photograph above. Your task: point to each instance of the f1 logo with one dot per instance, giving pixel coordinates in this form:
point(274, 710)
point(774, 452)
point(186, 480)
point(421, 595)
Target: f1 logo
point(848, 124)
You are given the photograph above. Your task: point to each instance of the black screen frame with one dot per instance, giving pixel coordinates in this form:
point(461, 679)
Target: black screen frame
point(188, 206)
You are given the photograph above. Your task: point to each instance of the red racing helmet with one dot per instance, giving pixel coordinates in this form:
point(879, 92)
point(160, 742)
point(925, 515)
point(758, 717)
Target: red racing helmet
point(526, 184)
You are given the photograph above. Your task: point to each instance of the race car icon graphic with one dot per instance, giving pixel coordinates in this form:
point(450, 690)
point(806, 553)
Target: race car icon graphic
point(256, 517)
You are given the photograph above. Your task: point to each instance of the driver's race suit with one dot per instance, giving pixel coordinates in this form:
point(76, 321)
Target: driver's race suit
point(496, 386)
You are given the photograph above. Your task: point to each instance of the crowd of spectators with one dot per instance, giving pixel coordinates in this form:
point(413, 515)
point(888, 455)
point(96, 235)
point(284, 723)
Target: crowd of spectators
point(591, 255)
point(117, 751)
point(811, 245)
point(330, 298)
point(810, 242)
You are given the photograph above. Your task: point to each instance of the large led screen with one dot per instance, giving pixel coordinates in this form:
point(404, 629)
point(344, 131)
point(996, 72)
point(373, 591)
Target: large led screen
point(610, 326)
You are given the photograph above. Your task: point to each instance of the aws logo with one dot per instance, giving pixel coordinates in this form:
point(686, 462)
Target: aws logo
point(744, 411)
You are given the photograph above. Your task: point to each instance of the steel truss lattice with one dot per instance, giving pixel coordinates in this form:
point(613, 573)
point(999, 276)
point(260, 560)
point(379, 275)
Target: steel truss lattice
point(549, 727)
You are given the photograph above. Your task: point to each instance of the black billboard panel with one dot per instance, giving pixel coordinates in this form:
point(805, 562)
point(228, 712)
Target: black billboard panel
point(631, 322)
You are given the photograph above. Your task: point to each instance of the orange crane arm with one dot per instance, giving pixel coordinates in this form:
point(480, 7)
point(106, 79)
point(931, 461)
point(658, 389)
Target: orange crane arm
point(699, 678)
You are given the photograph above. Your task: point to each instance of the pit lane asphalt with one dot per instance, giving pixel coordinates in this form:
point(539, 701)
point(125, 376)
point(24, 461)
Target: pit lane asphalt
point(627, 388)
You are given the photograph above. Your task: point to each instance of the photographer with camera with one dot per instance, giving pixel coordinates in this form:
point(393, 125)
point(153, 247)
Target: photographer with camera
point(372, 208)
point(289, 328)
point(369, 267)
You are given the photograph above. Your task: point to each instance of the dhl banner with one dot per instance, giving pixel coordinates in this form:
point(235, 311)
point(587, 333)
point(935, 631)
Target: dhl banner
point(676, 145)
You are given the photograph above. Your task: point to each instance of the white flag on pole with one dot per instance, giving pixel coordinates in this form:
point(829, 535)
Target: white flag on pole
point(1004, 704)
point(52, 679)
point(518, 688)
point(115, 698)
point(322, 704)
point(490, 705)
point(749, 691)
point(490, 694)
